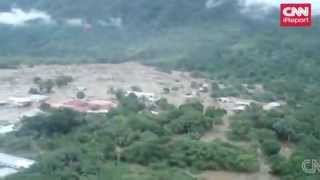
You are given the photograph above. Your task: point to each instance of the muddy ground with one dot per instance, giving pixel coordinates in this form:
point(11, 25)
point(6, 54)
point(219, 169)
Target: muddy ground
point(97, 79)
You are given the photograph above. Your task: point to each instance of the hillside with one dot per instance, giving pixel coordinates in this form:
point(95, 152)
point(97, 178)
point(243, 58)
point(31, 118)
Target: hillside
point(224, 41)
point(100, 28)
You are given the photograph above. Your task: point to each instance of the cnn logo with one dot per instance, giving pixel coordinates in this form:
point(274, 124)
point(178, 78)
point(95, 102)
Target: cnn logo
point(295, 15)
point(311, 166)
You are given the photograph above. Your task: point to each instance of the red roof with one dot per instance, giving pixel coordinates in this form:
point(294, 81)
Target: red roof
point(85, 106)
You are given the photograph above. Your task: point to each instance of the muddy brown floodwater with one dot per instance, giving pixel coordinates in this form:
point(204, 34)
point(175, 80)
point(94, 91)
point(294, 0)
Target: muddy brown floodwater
point(97, 79)
point(224, 175)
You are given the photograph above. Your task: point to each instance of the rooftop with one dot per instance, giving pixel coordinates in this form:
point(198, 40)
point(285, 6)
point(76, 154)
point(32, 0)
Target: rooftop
point(7, 171)
point(272, 105)
point(91, 106)
point(14, 161)
point(6, 129)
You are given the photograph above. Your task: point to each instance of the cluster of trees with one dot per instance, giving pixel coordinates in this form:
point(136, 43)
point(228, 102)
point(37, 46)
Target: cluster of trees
point(289, 125)
point(71, 145)
point(186, 153)
point(45, 86)
point(60, 121)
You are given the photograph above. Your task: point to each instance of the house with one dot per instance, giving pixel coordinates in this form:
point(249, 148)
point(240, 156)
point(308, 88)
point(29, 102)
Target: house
point(76, 105)
point(224, 100)
point(149, 96)
point(15, 162)
point(155, 112)
point(3, 103)
point(239, 108)
point(6, 172)
point(271, 105)
point(20, 101)
point(6, 129)
point(27, 101)
point(234, 100)
point(81, 88)
point(89, 106)
point(204, 88)
point(101, 105)
point(189, 95)
point(243, 102)
point(234, 104)
point(38, 98)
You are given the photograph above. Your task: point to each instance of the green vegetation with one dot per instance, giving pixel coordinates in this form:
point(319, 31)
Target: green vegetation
point(288, 125)
point(70, 145)
point(63, 80)
point(45, 86)
point(136, 88)
point(222, 44)
point(57, 122)
point(81, 95)
point(271, 147)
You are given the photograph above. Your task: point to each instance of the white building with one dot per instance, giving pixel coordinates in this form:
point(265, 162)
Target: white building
point(20, 101)
point(272, 105)
point(26, 101)
point(149, 96)
point(15, 162)
point(234, 100)
point(38, 98)
point(6, 172)
point(6, 129)
point(239, 108)
point(2, 103)
point(234, 104)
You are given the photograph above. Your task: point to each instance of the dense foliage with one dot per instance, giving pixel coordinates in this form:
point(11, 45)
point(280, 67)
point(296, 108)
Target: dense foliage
point(286, 126)
point(71, 145)
point(222, 43)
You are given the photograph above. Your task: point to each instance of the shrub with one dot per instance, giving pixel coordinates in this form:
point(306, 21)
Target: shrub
point(194, 105)
point(81, 95)
point(37, 80)
point(215, 112)
point(61, 81)
point(34, 91)
point(240, 129)
point(60, 121)
point(166, 90)
point(211, 156)
point(136, 88)
point(270, 147)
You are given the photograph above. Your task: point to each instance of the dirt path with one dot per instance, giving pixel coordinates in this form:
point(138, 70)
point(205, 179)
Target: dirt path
point(224, 175)
point(97, 79)
point(220, 132)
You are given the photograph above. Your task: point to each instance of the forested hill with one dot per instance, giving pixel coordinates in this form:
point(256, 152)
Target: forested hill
point(112, 25)
point(109, 29)
point(207, 35)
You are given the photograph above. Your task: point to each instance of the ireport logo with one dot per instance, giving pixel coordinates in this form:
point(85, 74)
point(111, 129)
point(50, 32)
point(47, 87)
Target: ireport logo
point(295, 15)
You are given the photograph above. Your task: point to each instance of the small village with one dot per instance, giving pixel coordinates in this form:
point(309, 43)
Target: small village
point(94, 95)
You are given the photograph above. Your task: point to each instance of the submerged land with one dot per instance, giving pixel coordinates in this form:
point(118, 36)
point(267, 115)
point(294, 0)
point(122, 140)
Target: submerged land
point(156, 90)
point(100, 82)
